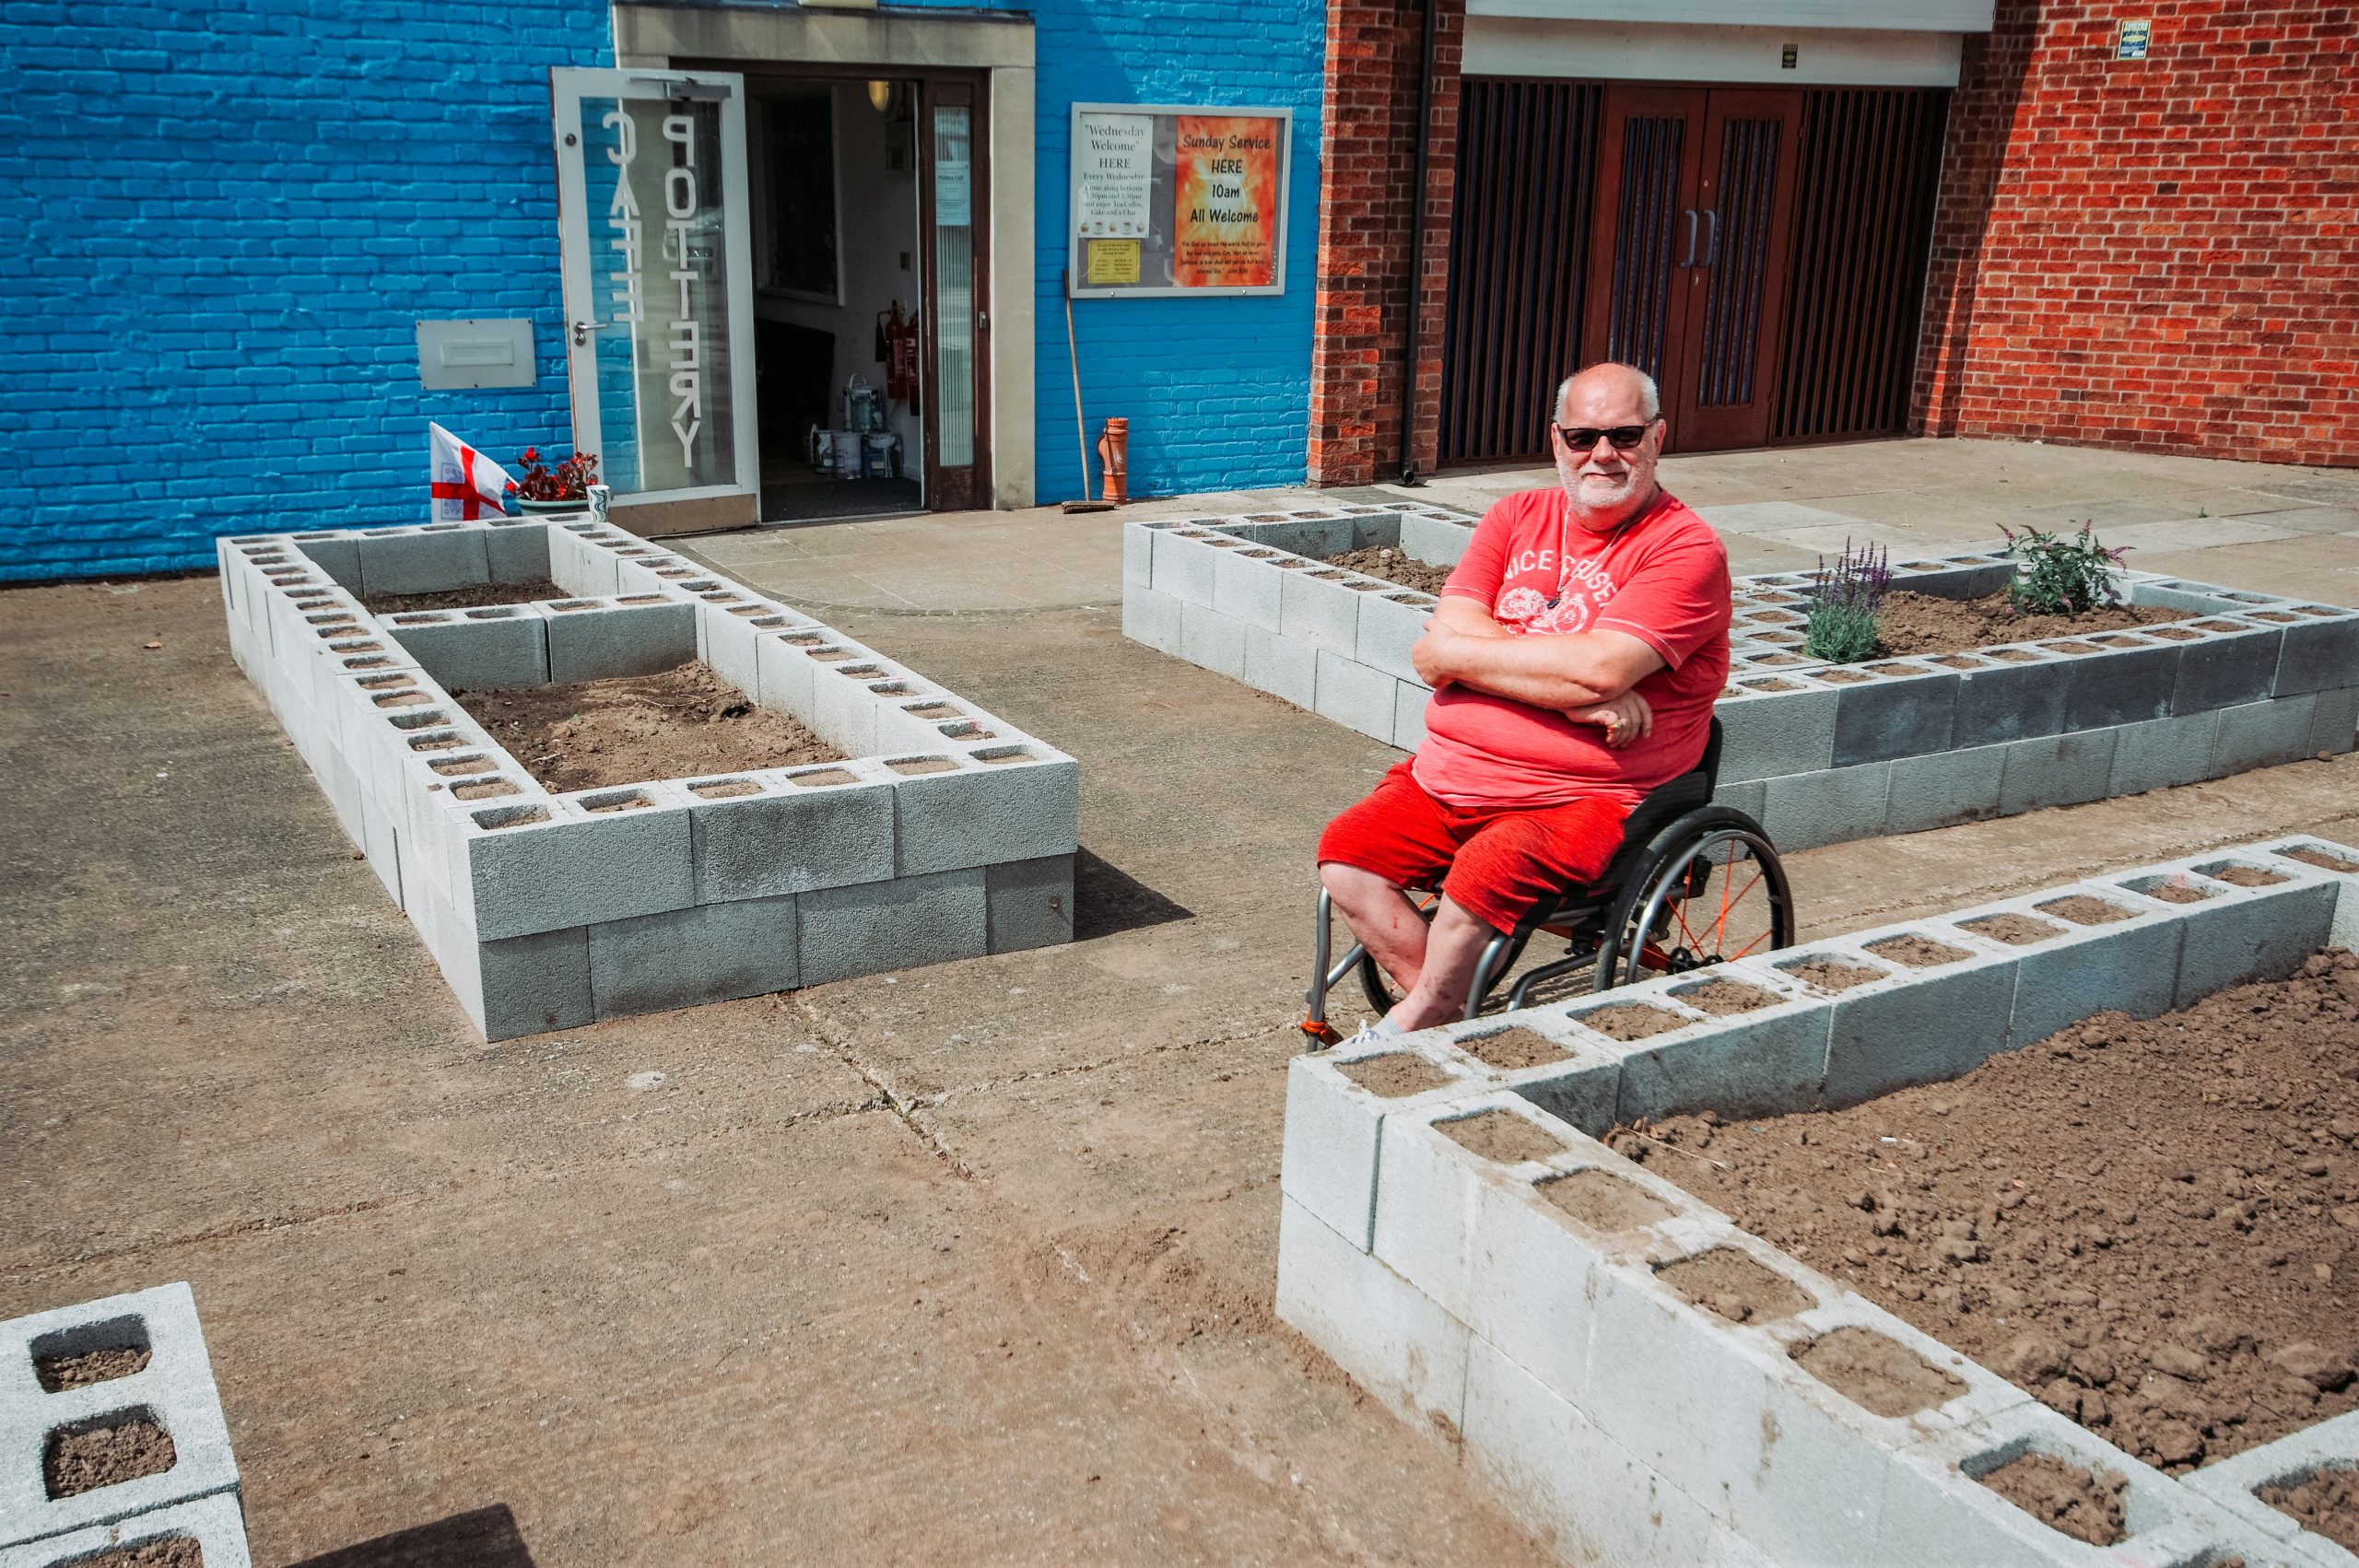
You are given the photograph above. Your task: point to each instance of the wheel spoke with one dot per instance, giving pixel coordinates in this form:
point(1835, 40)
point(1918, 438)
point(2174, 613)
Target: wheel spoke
point(1719, 931)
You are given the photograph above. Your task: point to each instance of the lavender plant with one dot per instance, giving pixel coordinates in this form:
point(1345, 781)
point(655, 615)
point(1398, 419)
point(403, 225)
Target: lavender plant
point(2060, 576)
point(1841, 628)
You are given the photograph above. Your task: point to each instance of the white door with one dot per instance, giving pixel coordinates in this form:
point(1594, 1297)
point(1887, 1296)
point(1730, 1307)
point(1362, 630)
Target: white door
point(659, 301)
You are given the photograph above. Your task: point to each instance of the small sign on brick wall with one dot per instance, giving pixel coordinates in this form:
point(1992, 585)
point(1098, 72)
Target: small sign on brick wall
point(2135, 37)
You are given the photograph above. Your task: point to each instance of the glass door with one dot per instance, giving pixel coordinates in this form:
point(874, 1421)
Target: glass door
point(651, 213)
point(957, 195)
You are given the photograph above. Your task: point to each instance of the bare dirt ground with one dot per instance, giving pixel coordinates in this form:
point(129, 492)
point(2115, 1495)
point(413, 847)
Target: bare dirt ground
point(685, 722)
point(972, 1263)
point(2152, 1226)
point(1925, 622)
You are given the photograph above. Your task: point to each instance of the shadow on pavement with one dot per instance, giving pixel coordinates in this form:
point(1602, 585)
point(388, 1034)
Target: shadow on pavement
point(486, 1538)
point(1106, 901)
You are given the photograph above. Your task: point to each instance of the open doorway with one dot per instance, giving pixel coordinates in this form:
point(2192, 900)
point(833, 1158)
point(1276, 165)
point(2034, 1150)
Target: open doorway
point(838, 278)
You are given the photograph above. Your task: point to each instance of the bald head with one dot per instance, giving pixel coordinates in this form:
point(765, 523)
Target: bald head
point(1615, 380)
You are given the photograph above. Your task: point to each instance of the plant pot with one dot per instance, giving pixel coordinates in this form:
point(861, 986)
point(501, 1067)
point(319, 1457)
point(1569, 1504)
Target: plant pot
point(543, 508)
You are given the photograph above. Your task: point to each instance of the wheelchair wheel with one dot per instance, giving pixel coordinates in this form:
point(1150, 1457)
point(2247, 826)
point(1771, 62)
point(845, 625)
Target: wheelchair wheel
point(1709, 889)
point(1376, 986)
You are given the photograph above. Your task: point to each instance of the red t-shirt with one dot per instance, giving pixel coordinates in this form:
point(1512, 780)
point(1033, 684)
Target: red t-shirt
point(1663, 576)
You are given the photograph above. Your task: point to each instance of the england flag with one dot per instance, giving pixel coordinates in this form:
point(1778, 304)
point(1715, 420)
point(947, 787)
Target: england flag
point(467, 485)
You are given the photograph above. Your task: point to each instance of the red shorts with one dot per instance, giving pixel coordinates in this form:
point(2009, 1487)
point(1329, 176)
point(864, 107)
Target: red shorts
point(1497, 865)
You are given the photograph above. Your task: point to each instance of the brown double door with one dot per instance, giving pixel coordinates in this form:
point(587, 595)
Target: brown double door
point(1759, 251)
point(1696, 193)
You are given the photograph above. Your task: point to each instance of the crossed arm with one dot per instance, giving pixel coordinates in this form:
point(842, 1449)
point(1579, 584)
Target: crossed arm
point(1587, 676)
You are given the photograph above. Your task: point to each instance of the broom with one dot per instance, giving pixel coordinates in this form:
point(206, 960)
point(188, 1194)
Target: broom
point(1080, 429)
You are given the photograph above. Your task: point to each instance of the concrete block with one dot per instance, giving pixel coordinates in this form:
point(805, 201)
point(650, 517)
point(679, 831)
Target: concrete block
point(1151, 618)
point(2165, 593)
point(1764, 1062)
point(1428, 1188)
point(525, 985)
point(381, 832)
point(497, 647)
point(705, 953)
point(1182, 565)
point(2321, 649)
point(1916, 1025)
point(2013, 692)
point(2056, 770)
point(1138, 556)
point(2162, 753)
point(1537, 1247)
point(216, 1524)
point(2334, 719)
point(1943, 789)
point(2233, 1484)
point(336, 554)
point(1280, 666)
point(2238, 934)
point(2344, 930)
point(1356, 697)
point(516, 549)
point(1389, 625)
point(1567, 1480)
point(761, 834)
point(1435, 540)
point(1024, 807)
point(873, 927)
point(1333, 1126)
point(1903, 710)
point(1212, 640)
point(1803, 811)
point(1316, 609)
point(174, 1390)
point(2234, 663)
point(1030, 903)
point(1410, 701)
point(574, 861)
point(423, 560)
point(2131, 680)
point(1393, 1342)
point(1935, 1511)
point(2081, 970)
point(1775, 725)
point(732, 641)
point(1245, 586)
point(846, 695)
point(593, 640)
point(2262, 734)
point(787, 672)
point(1580, 1088)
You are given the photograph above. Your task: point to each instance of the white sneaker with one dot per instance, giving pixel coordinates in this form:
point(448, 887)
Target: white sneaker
point(1381, 1030)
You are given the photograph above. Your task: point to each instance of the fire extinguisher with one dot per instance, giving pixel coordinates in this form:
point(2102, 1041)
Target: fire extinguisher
point(901, 356)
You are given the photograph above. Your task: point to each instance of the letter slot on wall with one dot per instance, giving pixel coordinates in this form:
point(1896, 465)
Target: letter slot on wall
point(453, 355)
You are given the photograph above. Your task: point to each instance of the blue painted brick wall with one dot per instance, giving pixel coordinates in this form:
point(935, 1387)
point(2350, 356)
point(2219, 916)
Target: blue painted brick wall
point(230, 217)
point(227, 220)
point(1218, 391)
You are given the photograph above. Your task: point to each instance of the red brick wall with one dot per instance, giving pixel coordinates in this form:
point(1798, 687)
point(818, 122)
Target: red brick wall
point(2158, 255)
point(1370, 141)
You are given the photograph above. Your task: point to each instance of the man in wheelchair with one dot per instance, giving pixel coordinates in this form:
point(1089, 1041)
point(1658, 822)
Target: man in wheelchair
point(1575, 657)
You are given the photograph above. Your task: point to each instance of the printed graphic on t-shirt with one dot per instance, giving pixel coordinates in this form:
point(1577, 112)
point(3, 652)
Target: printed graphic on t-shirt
point(1535, 600)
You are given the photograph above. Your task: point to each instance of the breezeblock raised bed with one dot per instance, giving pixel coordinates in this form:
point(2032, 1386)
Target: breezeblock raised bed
point(112, 1434)
point(1646, 1382)
point(946, 833)
point(1819, 753)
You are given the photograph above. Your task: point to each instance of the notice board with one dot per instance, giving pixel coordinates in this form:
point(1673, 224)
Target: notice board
point(1172, 200)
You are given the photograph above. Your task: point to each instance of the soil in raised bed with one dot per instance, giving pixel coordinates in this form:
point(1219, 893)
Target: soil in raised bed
point(1393, 566)
point(2326, 1501)
point(2319, 859)
point(76, 1462)
point(1724, 998)
point(1632, 1021)
point(171, 1552)
point(1924, 623)
point(58, 1373)
point(475, 597)
point(1500, 1135)
point(684, 723)
point(2066, 1497)
point(1726, 1282)
point(1512, 1050)
point(2151, 1226)
point(1395, 1074)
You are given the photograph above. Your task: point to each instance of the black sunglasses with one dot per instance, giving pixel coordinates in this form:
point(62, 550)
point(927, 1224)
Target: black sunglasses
point(1582, 438)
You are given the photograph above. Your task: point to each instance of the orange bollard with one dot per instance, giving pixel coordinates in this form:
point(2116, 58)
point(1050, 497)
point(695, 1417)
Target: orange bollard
point(1114, 457)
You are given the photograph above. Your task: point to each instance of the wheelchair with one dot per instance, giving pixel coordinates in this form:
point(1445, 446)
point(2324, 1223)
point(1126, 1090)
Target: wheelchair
point(1692, 885)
